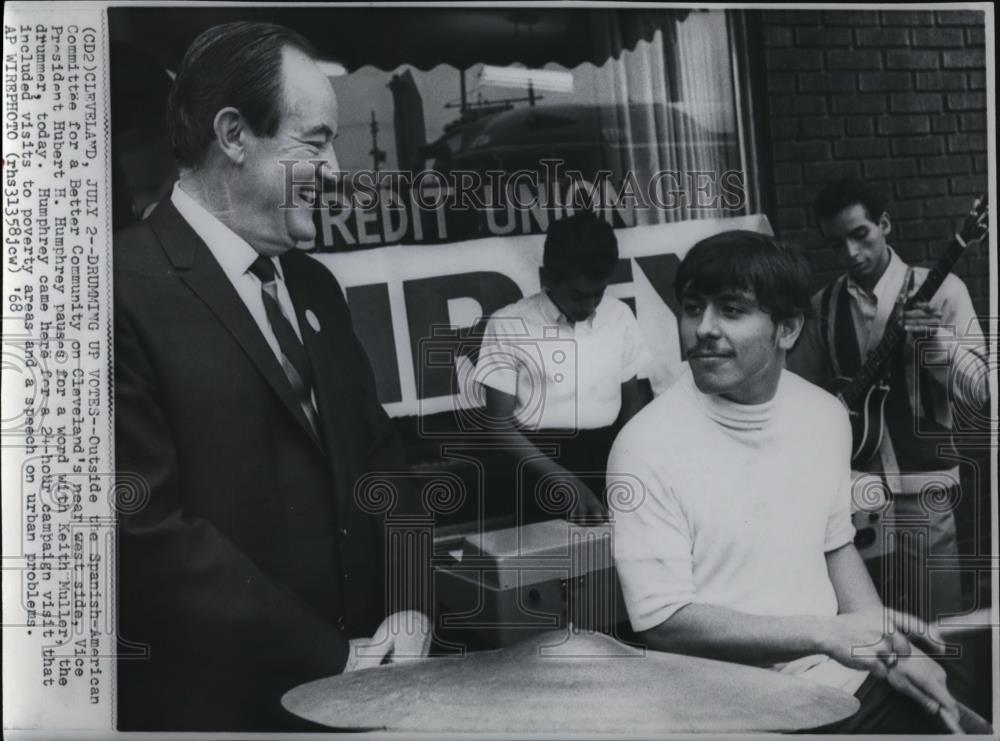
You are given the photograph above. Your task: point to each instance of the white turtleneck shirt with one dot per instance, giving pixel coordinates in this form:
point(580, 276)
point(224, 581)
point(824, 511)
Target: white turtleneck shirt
point(729, 504)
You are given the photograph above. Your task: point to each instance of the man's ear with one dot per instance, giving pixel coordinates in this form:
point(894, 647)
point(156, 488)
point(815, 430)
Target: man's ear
point(230, 128)
point(884, 225)
point(789, 330)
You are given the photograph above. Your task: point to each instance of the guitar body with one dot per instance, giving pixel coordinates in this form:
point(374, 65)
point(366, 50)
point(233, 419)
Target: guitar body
point(867, 421)
point(868, 429)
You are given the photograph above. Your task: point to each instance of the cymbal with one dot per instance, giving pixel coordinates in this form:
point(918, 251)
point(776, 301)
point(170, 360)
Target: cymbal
point(564, 682)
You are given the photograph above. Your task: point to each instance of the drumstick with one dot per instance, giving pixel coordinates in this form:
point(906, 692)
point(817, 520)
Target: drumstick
point(968, 721)
point(951, 722)
point(932, 637)
point(978, 620)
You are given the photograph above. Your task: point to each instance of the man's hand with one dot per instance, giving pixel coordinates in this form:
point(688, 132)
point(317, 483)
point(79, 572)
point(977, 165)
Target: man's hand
point(922, 320)
point(358, 655)
point(876, 641)
point(402, 637)
point(923, 680)
point(587, 508)
point(869, 640)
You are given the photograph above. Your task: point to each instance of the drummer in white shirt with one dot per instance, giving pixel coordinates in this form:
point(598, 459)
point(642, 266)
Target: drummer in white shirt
point(565, 367)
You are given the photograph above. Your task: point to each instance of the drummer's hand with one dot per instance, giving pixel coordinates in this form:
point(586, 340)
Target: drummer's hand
point(403, 636)
point(923, 680)
point(868, 640)
point(587, 508)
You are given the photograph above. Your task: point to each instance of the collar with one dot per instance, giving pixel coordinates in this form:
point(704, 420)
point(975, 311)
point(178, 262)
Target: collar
point(233, 253)
point(888, 286)
point(729, 414)
point(552, 314)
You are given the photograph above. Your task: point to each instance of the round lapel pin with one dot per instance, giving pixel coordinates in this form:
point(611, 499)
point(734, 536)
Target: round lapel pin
point(312, 319)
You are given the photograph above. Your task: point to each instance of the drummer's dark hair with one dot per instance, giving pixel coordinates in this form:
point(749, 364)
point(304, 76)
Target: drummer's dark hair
point(234, 64)
point(779, 276)
point(581, 244)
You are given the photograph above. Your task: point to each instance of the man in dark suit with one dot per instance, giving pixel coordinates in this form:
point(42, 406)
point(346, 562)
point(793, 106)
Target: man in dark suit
point(249, 559)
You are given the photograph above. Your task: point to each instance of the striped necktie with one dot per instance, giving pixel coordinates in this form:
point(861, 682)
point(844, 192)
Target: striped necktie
point(294, 360)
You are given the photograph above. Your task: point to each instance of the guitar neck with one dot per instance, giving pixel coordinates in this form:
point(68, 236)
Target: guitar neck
point(938, 273)
point(877, 363)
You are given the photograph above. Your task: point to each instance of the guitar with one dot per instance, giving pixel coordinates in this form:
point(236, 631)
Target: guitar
point(865, 394)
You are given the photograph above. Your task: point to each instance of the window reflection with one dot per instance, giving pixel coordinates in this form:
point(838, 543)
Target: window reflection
point(650, 135)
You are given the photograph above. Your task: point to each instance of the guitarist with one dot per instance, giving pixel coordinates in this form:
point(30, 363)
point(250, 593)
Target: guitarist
point(852, 314)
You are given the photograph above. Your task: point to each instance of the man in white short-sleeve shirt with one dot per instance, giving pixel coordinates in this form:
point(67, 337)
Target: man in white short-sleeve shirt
point(738, 544)
point(569, 358)
point(563, 374)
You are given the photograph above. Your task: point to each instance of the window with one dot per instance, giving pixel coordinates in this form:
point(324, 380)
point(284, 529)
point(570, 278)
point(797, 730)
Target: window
point(644, 123)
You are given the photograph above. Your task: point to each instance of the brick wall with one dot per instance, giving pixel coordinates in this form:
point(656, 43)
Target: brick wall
point(894, 97)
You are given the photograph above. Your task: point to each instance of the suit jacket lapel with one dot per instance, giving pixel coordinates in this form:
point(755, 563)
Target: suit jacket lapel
point(199, 270)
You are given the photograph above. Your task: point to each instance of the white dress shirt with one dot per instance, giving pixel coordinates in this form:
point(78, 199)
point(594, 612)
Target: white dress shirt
point(565, 375)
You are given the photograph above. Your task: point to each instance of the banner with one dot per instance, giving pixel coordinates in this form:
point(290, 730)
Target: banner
point(415, 306)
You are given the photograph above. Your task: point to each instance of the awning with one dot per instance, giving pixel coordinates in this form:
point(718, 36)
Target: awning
point(420, 36)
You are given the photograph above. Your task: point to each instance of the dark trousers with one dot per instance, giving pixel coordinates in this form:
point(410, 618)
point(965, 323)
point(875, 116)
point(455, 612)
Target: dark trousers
point(883, 710)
